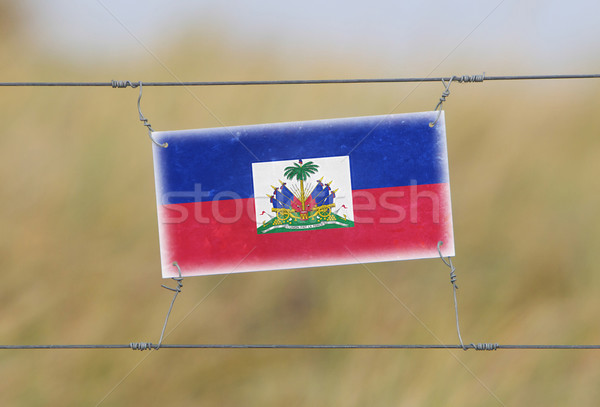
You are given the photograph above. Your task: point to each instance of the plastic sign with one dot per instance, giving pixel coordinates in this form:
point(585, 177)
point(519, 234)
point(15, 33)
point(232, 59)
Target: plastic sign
point(303, 194)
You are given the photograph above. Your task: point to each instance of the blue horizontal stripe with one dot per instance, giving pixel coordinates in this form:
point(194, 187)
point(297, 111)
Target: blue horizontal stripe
point(385, 151)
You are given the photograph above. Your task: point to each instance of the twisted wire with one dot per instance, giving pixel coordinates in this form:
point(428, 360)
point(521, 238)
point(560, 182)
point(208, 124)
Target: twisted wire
point(124, 84)
point(470, 79)
point(454, 289)
point(143, 119)
point(141, 346)
point(485, 346)
point(177, 290)
point(439, 106)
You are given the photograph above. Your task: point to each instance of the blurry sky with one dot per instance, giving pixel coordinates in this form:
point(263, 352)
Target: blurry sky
point(407, 37)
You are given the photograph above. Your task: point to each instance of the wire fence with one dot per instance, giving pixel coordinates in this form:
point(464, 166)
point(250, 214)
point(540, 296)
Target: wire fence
point(460, 79)
point(150, 346)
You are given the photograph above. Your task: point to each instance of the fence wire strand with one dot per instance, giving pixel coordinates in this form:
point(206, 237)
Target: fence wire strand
point(149, 346)
point(459, 78)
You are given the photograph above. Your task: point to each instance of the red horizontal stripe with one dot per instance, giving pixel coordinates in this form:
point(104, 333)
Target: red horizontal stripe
point(390, 224)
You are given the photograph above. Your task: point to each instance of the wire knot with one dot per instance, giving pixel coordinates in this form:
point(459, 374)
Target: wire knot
point(470, 79)
point(445, 94)
point(141, 346)
point(484, 346)
point(177, 279)
point(449, 264)
point(439, 107)
point(124, 84)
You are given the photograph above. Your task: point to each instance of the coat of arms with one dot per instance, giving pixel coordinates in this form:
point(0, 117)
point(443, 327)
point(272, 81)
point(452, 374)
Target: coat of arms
point(305, 199)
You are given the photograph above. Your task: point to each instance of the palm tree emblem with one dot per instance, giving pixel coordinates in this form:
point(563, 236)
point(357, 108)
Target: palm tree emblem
point(301, 172)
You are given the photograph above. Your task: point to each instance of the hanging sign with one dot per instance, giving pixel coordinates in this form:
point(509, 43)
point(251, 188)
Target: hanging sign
point(303, 194)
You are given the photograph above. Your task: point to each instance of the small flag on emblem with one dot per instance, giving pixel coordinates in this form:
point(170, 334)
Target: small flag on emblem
point(303, 194)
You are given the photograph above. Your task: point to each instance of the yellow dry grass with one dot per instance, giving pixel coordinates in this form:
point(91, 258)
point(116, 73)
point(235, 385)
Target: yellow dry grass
point(79, 249)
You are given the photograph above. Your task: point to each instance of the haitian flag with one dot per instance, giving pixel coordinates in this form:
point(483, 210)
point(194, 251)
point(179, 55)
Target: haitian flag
point(303, 194)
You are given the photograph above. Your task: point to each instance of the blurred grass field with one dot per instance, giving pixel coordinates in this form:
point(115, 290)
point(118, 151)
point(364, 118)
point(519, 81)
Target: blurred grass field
point(80, 264)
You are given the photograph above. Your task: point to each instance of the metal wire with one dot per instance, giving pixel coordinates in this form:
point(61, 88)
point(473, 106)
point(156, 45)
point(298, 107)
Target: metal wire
point(149, 346)
point(176, 291)
point(141, 116)
point(454, 288)
point(459, 78)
